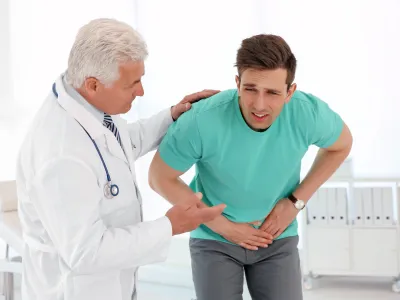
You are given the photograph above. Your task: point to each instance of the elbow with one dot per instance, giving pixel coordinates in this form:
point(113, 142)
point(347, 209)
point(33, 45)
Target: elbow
point(349, 141)
point(153, 176)
point(160, 175)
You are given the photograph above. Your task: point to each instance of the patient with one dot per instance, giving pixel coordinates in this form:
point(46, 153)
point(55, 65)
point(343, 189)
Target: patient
point(247, 144)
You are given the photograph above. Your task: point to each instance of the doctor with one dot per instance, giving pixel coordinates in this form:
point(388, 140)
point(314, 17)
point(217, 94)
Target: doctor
point(79, 204)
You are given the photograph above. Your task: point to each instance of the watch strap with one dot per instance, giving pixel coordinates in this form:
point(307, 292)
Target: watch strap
point(292, 198)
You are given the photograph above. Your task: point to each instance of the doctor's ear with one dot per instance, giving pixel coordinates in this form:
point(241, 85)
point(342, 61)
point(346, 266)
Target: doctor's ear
point(91, 85)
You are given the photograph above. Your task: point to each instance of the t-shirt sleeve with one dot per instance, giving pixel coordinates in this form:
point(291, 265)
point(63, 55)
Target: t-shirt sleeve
point(326, 124)
point(181, 147)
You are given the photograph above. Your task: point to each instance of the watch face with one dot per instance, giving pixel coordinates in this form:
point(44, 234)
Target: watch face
point(299, 204)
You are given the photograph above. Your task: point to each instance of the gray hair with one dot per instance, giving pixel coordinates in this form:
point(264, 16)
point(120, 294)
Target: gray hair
point(99, 49)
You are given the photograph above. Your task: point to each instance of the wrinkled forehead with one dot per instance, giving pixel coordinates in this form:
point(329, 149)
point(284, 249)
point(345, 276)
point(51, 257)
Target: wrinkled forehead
point(264, 79)
point(131, 71)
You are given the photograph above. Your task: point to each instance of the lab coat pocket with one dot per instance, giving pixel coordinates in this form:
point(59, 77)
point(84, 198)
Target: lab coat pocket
point(100, 286)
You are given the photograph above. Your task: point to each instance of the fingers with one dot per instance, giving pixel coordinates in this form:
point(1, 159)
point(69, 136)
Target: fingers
point(199, 95)
point(273, 231)
point(278, 233)
point(253, 245)
point(182, 107)
point(261, 241)
point(262, 234)
point(248, 246)
point(267, 223)
point(268, 227)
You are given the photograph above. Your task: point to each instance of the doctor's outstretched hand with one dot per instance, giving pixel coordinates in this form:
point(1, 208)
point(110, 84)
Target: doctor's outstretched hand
point(185, 217)
point(187, 102)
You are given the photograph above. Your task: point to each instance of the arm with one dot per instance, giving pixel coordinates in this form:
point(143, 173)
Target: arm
point(333, 137)
point(328, 132)
point(67, 196)
point(165, 181)
point(180, 149)
point(146, 134)
point(327, 161)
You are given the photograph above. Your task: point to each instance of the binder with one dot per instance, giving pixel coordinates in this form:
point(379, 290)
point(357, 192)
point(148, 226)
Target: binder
point(323, 206)
point(377, 203)
point(367, 204)
point(312, 210)
point(358, 207)
point(387, 206)
point(331, 206)
point(341, 208)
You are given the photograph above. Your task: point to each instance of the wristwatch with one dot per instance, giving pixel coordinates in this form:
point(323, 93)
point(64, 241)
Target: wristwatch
point(299, 204)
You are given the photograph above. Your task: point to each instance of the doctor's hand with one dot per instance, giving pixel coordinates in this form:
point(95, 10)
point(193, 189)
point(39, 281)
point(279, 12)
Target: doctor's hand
point(246, 236)
point(186, 103)
point(187, 216)
point(280, 217)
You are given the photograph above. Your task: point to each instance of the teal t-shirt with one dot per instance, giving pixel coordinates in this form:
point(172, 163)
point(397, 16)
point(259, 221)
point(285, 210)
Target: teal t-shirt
point(247, 170)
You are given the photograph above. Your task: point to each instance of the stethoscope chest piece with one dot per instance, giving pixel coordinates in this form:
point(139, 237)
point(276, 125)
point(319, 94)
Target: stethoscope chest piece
point(110, 190)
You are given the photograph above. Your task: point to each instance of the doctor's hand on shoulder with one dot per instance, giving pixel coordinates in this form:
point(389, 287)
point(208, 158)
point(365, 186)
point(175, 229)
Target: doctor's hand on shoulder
point(187, 102)
point(187, 216)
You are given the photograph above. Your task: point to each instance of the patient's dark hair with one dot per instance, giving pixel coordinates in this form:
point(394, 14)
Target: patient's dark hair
point(266, 52)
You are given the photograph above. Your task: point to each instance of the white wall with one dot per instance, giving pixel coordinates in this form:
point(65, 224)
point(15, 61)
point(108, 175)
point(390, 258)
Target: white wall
point(347, 54)
point(42, 33)
point(5, 66)
point(346, 51)
point(192, 47)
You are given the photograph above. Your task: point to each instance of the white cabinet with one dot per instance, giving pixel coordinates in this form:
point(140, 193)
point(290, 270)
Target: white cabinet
point(375, 251)
point(328, 253)
point(351, 228)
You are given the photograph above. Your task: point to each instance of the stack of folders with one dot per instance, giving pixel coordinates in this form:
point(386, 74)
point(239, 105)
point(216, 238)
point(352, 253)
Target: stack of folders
point(367, 206)
point(329, 206)
point(373, 206)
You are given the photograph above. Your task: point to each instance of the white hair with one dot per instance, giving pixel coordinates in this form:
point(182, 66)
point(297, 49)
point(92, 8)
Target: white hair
point(99, 49)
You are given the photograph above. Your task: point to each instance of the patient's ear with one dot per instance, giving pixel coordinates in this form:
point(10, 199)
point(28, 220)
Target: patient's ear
point(291, 91)
point(237, 79)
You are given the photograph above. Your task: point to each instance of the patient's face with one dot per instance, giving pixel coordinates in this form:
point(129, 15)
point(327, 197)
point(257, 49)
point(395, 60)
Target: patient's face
point(117, 97)
point(263, 94)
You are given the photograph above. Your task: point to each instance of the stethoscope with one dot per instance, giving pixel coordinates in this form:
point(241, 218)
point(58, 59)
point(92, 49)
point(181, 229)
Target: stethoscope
point(110, 190)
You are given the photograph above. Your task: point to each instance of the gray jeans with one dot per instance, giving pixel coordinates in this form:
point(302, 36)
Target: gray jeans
point(272, 273)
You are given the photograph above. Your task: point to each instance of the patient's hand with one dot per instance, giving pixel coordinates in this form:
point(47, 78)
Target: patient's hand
point(245, 235)
point(281, 216)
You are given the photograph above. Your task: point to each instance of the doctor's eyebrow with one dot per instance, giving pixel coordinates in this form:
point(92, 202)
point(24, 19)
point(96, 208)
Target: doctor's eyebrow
point(133, 83)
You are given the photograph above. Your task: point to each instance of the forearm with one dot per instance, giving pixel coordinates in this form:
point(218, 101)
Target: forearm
point(325, 164)
point(173, 190)
point(176, 191)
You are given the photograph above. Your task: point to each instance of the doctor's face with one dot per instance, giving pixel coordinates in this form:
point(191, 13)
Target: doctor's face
point(117, 98)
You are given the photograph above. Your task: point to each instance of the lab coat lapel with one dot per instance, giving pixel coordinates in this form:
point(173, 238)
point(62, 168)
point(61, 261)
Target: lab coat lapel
point(127, 144)
point(114, 147)
point(93, 127)
point(126, 141)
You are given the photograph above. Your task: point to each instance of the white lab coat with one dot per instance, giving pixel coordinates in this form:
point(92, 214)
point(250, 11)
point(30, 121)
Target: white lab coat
point(80, 245)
